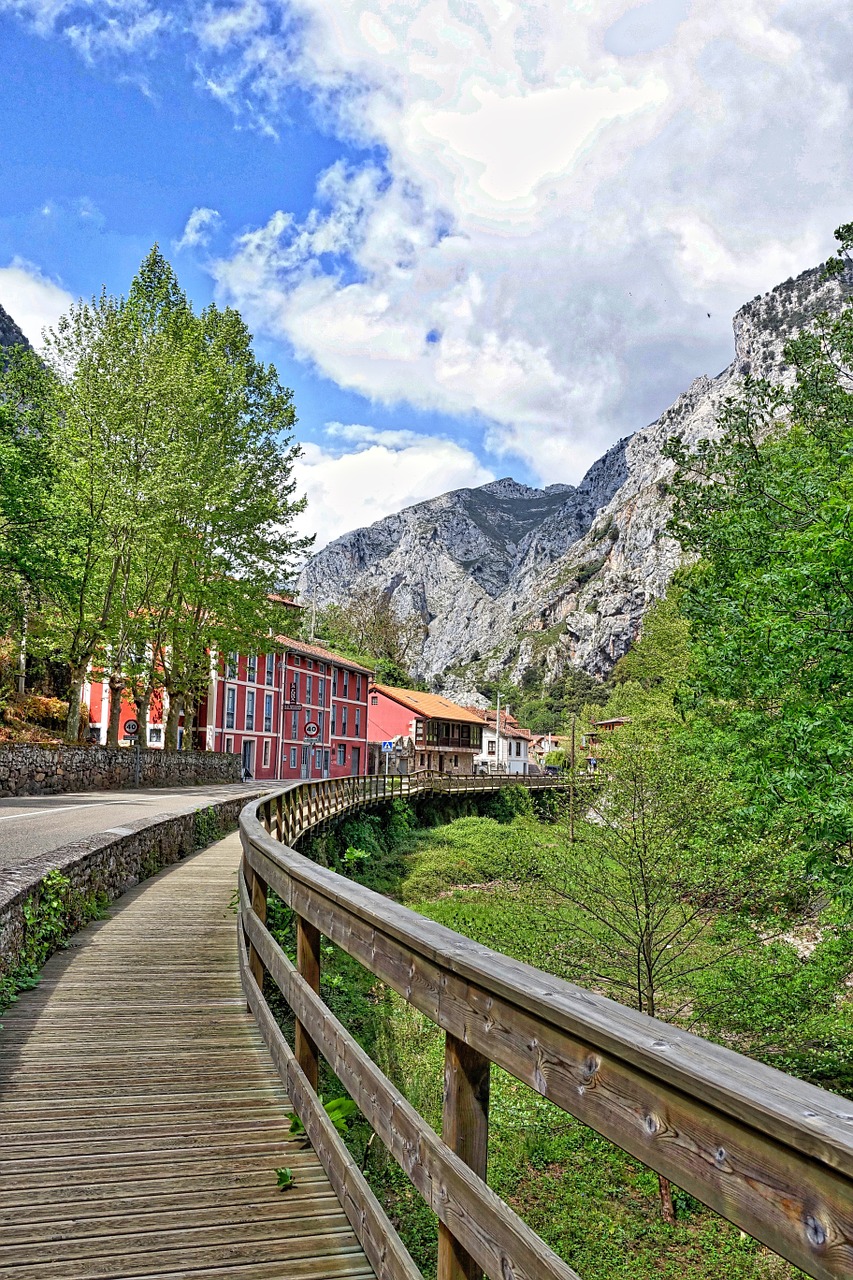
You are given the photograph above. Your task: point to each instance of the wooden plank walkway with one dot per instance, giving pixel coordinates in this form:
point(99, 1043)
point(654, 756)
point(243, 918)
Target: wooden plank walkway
point(141, 1117)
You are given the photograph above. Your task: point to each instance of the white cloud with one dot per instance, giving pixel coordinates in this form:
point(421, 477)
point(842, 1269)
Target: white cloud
point(386, 471)
point(563, 191)
point(553, 220)
point(96, 28)
point(32, 300)
point(201, 225)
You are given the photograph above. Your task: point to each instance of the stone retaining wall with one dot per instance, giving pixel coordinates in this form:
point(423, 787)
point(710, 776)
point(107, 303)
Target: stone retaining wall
point(106, 864)
point(39, 771)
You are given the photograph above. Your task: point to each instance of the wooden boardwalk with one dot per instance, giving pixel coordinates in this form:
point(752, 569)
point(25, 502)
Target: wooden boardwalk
point(141, 1117)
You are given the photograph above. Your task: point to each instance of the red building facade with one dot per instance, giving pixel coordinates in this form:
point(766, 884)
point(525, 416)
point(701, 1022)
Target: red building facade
point(435, 733)
point(297, 713)
point(300, 713)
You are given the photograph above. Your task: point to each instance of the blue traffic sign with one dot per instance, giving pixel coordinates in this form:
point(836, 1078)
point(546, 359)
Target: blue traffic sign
point(387, 746)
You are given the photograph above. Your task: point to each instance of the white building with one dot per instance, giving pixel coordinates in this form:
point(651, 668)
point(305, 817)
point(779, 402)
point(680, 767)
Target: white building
point(504, 752)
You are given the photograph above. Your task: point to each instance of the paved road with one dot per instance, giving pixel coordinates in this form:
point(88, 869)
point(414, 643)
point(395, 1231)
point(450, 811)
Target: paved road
point(32, 825)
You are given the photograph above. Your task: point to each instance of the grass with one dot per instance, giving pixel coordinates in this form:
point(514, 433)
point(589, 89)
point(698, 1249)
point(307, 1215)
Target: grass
point(594, 1204)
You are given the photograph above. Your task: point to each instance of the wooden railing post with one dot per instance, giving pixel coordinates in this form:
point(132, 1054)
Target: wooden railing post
point(279, 818)
point(308, 964)
point(465, 1129)
point(258, 891)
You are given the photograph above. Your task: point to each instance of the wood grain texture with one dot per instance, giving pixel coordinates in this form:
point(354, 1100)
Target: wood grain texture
point(141, 1116)
point(381, 1243)
point(465, 1130)
point(486, 1228)
point(772, 1154)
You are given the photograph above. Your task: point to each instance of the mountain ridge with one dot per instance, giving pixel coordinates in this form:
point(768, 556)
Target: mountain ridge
point(505, 576)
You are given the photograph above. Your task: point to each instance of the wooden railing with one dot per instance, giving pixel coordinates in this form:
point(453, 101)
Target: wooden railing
point(768, 1152)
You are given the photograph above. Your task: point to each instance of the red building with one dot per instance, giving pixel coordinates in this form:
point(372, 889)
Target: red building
point(433, 732)
point(297, 713)
point(300, 713)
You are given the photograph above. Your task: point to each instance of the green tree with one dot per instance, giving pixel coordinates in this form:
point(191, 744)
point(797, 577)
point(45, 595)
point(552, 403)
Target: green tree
point(629, 888)
point(767, 509)
point(173, 459)
point(369, 627)
point(32, 539)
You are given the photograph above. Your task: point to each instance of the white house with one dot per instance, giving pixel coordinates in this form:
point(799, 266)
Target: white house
point(504, 752)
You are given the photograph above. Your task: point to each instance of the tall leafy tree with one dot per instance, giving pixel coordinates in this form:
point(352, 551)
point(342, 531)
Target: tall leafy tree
point(768, 511)
point(173, 455)
point(32, 536)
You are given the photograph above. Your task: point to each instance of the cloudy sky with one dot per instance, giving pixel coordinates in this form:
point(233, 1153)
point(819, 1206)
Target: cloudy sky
point(477, 237)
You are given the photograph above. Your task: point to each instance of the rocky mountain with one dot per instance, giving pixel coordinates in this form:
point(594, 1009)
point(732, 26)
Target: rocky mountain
point(10, 334)
point(505, 576)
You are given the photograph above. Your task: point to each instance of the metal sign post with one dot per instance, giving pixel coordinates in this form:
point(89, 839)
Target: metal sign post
point(131, 730)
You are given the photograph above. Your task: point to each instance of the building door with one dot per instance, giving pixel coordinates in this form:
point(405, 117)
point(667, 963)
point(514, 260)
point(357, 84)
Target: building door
point(355, 761)
point(441, 764)
point(326, 761)
point(248, 758)
point(306, 760)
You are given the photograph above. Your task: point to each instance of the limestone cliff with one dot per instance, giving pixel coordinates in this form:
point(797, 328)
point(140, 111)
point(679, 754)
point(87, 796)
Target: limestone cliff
point(505, 575)
point(10, 334)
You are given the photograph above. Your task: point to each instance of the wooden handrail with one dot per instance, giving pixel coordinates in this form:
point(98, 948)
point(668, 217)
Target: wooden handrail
point(770, 1153)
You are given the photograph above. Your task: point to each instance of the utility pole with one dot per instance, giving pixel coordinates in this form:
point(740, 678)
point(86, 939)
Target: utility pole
point(572, 783)
point(498, 736)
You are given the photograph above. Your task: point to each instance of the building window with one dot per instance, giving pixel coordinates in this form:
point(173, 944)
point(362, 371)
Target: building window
point(310, 664)
point(229, 745)
point(423, 759)
point(358, 687)
point(267, 753)
point(270, 668)
point(319, 724)
point(267, 713)
point(293, 757)
point(358, 722)
point(252, 668)
point(231, 668)
point(230, 704)
point(518, 748)
point(455, 762)
point(334, 681)
point(250, 708)
point(309, 688)
point(342, 754)
point(344, 721)
point(155, 734)
point(491, 746)
point(321, 693)
point(294, 724)
point(334, 718)
point(374, 701)
point(346, 684)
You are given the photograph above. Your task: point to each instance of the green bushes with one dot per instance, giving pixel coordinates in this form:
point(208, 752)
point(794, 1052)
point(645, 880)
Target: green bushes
point(51, 914)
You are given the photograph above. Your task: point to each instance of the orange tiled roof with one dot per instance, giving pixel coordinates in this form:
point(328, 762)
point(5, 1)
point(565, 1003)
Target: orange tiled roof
point(430, 705)
point(509, 725)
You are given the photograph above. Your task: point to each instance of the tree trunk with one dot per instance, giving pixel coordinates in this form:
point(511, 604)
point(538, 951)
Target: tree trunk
point(189, 725)
point(666, 1206)
point(75, 695)
point(116, 691)
point(176, 703)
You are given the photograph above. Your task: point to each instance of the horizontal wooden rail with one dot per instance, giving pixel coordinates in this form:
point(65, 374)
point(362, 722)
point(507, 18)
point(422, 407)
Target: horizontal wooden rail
point(770, 1153)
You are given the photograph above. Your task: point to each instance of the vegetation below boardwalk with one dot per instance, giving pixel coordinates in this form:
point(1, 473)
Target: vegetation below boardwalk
point(766, 975)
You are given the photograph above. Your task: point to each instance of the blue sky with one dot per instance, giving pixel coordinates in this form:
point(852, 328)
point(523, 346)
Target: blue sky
point(476, 240)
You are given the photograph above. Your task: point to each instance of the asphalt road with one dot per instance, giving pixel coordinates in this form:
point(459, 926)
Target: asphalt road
point(32, 825)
